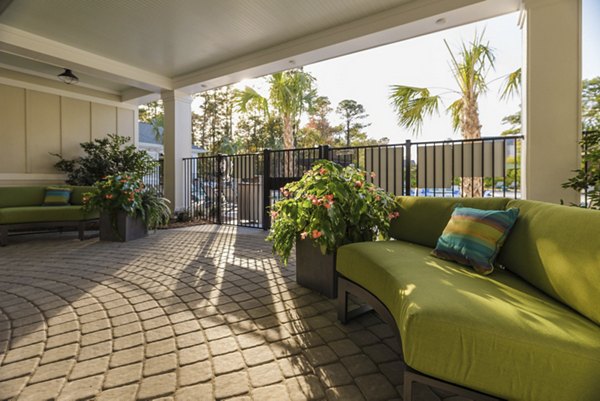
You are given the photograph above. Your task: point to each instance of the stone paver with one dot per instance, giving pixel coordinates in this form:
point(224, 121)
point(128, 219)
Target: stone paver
point(199, 313)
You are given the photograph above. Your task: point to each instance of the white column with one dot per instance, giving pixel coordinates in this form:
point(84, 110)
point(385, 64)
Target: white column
point(551, 98)
point(177, 142)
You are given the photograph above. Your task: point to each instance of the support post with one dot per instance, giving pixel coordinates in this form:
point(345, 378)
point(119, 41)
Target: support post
point(551, 98)
point(324, 152)
point(177, 144)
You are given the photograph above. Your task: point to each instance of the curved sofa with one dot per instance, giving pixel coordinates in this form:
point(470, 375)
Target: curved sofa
point(528, 332)
point(21, 208)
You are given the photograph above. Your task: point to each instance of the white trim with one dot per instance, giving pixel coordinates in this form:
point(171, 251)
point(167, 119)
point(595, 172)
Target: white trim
point(49, 51)
point(65, 93)
point(31, 176)
point(50, 77)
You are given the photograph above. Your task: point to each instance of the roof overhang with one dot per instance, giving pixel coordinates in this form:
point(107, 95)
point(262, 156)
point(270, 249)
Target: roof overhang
point(29, 56)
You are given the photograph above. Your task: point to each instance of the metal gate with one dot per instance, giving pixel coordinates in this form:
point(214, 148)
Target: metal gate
point(238, 189)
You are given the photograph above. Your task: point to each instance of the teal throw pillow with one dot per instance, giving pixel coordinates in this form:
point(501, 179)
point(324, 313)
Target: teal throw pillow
point(473, 237)
point(57, 196)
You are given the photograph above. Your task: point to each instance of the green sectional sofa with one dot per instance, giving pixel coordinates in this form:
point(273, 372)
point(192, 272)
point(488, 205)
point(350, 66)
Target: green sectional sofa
point(21, 208)
point(528, 332)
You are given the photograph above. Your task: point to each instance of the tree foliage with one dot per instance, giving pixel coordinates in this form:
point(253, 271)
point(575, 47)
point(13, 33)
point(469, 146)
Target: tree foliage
point(213, 124)
point(590, 100)
point(291, 93)
point(352, 113)
point(153, 113)
point(103, 157)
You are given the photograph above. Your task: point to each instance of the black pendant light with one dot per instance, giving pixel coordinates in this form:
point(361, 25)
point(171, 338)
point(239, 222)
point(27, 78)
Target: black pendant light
point(68, 77)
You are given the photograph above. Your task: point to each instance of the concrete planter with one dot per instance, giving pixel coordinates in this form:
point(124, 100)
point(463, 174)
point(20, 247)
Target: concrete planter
point(127, 228)
point(315, 270)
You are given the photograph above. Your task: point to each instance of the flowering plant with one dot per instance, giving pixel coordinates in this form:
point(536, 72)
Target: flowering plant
point(330, 205)
point(125, 192)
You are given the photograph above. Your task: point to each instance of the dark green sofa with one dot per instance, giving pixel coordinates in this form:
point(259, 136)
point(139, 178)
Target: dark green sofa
point(530, 332)
point(21, 208)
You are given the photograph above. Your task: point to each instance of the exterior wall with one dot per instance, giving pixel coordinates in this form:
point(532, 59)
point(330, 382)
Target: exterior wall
point(35, 124)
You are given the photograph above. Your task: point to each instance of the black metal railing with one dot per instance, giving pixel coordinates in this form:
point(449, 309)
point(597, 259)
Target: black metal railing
point(155, 179)
point(234, 189)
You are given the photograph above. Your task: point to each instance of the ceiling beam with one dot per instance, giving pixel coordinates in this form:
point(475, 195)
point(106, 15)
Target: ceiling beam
point(35, 47)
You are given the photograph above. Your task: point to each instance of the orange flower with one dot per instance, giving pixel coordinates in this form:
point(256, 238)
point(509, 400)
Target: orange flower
point(328, 205)
point(358, 184)
point(316, 234)
point(329, 197)
point(322, 171)
point(274, 214)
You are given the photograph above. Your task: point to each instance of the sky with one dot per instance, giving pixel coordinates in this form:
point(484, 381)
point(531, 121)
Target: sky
point(423, 62)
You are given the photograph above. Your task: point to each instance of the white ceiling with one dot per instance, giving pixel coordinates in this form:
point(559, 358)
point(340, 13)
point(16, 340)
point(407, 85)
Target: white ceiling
point(135, 47)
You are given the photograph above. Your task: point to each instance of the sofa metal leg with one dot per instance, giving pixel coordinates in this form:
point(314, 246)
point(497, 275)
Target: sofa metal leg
point(409, 379)
point(342, 301)
point(3, 235)
point(81, 227)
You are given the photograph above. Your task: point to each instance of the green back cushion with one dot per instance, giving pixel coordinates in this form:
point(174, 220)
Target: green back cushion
point(557, 249)
point(77, 194)
point(473, 237)
point(423, 219)
point(34, 195)
point(57, 196)
point(21, 196)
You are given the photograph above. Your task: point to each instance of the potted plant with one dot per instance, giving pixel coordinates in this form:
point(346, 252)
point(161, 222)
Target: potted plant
point(328, 207)
point(127, 208)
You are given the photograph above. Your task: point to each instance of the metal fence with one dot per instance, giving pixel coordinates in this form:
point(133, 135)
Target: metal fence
point(234, 189)
point(155, 179)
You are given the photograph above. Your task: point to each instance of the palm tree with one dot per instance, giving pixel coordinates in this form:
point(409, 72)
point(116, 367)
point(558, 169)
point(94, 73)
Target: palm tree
point(470, 68)
point(290, 94)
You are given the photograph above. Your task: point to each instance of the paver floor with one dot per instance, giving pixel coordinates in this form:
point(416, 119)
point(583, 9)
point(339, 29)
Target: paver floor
point(199, 313)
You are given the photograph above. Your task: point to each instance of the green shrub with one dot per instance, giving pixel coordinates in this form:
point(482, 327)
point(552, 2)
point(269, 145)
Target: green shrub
point(104, 157)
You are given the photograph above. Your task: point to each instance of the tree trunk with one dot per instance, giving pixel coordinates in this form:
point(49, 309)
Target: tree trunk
point(288, 143)
point(472, 187)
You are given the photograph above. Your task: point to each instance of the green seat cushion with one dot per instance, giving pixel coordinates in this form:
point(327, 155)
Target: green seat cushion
point(473, 237)
point(496, 334)
point(423, 219)
point(557, 249)
point(38, 214)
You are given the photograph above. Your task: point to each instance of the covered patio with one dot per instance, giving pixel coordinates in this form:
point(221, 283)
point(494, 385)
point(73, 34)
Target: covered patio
point(198, 313)
point(207, 312)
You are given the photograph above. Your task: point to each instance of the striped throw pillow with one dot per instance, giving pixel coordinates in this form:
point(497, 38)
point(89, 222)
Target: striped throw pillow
point(57, 196)
point(473, 237)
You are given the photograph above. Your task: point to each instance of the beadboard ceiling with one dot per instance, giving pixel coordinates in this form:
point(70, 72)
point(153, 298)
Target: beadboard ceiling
point(153, 45)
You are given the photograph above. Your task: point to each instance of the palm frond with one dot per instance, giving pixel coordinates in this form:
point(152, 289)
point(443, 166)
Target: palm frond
point(455, 110)
point(412, 105)
point(511, 85)
point(249, 100)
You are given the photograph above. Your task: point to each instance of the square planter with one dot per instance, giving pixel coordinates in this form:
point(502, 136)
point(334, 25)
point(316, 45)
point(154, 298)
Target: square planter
point(128, 228)
point(315, 270)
